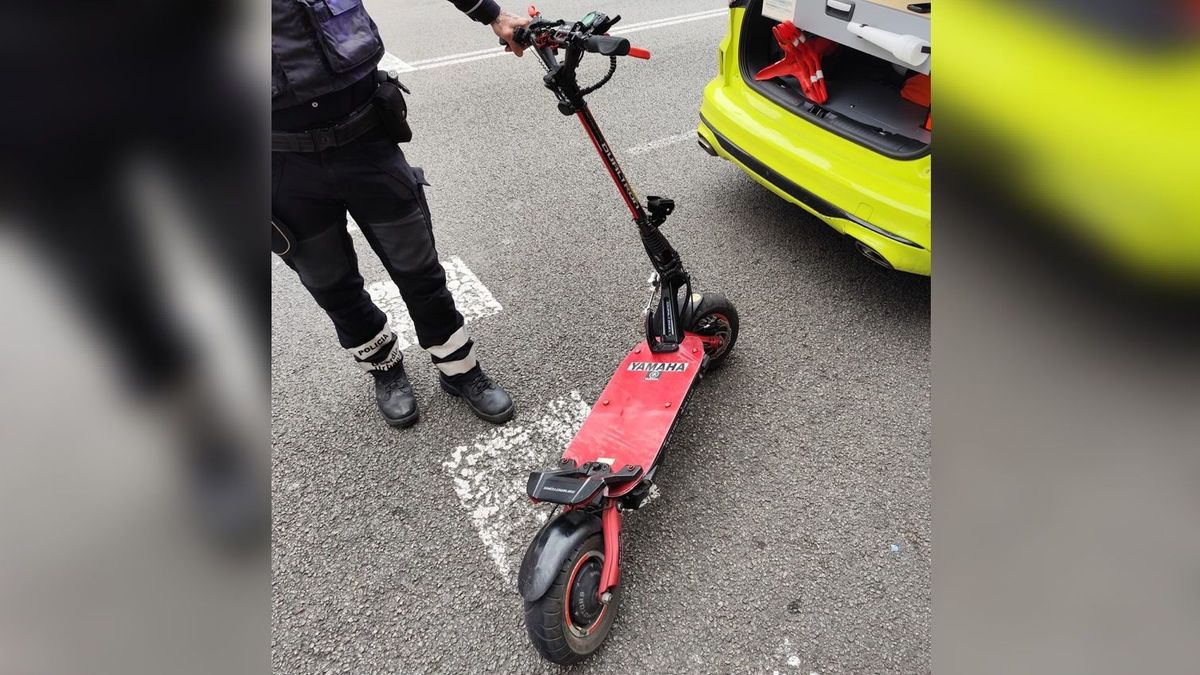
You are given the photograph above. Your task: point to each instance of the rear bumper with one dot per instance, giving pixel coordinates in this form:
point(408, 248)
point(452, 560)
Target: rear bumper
point(725, 148)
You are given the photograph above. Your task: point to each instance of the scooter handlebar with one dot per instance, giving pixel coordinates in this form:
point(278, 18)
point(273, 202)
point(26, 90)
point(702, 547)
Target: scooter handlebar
point(608, 45)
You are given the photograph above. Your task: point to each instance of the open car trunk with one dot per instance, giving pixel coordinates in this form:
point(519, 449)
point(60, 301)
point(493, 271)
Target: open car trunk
point(864, 102)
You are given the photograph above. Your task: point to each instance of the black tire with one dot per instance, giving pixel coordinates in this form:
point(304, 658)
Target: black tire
point(566, 636)
point(712, 315)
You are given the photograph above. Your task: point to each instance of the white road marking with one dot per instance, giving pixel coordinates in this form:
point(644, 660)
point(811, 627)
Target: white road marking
point(479, 55)
point(490, 54)
point(392, 62)
point(673, 21)
point(351, 226)
point(790, 656)
point(661, 143)
point(490, 474)
point(473, 299)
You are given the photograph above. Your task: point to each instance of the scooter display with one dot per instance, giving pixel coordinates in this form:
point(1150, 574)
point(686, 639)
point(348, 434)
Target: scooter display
point(570, 573)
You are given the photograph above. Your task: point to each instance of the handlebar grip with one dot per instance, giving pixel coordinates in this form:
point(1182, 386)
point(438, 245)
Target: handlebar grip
point(521, 36)
point(607, 45)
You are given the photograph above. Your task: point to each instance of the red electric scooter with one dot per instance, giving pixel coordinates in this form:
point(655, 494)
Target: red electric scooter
point(569, 576)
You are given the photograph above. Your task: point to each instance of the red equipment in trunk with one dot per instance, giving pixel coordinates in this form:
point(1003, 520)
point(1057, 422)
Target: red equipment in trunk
point(802, 56)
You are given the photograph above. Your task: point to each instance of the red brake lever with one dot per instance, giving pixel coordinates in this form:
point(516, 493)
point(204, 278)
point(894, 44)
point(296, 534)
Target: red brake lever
point(639, 53)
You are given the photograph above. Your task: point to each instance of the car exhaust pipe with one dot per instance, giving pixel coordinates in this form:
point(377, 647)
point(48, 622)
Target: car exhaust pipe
point(872, 255)
point(706, 146)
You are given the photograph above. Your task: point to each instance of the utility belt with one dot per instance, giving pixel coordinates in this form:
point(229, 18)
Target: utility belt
point(386, 110)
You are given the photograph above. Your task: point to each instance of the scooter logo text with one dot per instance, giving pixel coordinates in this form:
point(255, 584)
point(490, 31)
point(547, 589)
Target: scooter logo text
point(652, 367)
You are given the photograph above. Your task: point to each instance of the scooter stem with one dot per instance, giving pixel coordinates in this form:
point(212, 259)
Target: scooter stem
point(610, 161)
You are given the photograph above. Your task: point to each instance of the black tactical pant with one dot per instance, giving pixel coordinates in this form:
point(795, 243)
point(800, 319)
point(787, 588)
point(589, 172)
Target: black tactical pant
point(311, 193)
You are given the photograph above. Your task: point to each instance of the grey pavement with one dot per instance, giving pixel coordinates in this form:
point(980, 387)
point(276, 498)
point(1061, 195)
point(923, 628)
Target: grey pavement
point(792, 528)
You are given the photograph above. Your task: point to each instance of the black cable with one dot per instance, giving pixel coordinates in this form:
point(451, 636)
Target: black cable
point(612, 68)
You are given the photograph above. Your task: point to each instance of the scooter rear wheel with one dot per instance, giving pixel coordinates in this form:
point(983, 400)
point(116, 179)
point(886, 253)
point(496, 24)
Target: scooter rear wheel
point(713, 317)
point(569, 623)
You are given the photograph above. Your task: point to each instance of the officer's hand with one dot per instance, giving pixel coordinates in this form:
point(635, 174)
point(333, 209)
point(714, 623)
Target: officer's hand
point(504, 25)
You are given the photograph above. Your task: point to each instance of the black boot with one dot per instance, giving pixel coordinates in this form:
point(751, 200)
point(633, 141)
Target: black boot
point(485, 398)
point(394, 395)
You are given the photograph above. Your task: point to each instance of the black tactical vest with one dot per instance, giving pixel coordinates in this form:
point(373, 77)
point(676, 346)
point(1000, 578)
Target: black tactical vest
point(319, 46)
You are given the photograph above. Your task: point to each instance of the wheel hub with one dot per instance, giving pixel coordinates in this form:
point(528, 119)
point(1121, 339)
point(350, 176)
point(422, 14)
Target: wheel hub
point(584, 604)
point(715, 331)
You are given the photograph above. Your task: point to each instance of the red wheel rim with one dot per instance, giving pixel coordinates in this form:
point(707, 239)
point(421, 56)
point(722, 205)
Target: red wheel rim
point(716, 332)
point(587, 630)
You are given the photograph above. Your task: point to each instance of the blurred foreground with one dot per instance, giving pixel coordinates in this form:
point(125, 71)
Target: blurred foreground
point(133, 408)
point(1065, 337)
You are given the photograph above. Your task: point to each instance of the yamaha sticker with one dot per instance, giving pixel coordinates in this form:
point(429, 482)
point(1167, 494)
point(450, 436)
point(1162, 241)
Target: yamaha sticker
point(657, 368)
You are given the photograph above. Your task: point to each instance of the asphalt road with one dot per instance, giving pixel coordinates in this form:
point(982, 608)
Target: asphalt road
point(791, 532)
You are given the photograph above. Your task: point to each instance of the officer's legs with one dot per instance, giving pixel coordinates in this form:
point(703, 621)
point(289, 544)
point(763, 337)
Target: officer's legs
point(386, 197)
point(322, 252)
point(304, 201)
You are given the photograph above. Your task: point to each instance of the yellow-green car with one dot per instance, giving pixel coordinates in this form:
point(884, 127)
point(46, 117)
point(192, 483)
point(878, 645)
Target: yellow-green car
point(860, 162)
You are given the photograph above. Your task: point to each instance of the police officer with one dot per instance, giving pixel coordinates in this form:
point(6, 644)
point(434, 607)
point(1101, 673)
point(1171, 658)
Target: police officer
point(336, 123)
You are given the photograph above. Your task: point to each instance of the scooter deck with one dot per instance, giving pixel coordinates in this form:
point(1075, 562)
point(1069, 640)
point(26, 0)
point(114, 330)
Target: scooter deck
point(630, 422)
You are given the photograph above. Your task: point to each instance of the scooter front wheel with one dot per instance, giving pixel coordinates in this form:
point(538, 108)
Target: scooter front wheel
point(569, 622)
